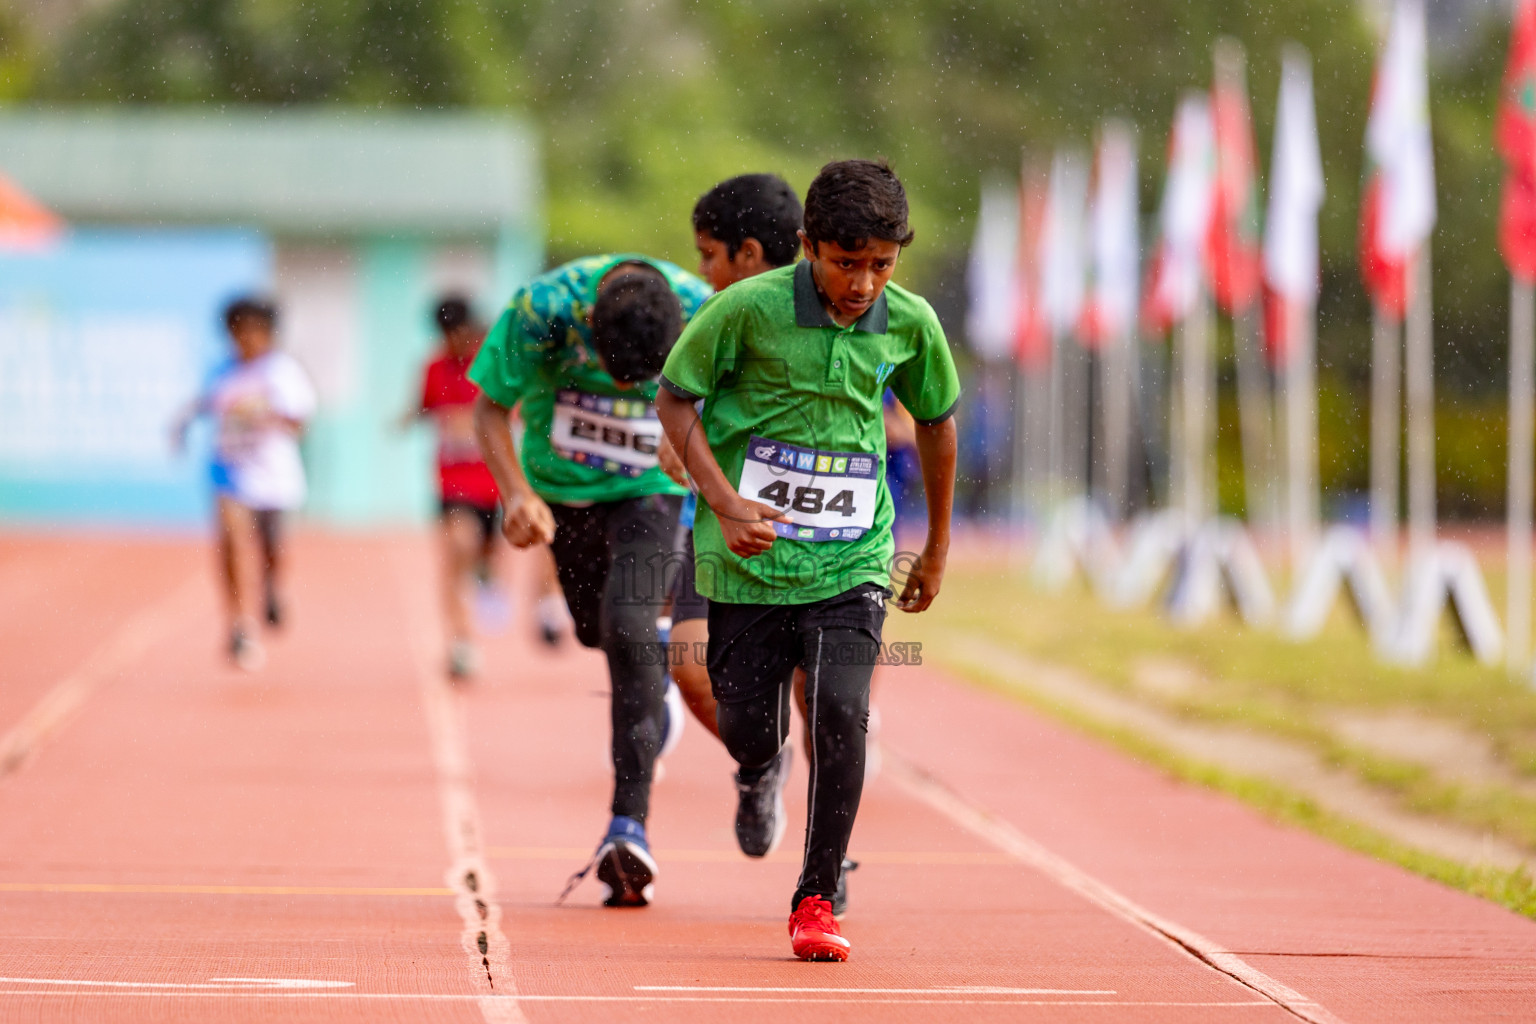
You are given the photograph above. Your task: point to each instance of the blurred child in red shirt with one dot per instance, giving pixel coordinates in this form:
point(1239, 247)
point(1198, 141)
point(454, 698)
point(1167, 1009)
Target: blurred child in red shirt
point(469, 504)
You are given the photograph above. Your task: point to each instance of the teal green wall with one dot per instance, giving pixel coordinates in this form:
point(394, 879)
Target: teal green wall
point(365, 470)
point(519, 257)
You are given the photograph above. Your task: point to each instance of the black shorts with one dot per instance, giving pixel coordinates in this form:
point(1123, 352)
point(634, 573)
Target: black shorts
point(489, 516)
point(687, 602)
point(632, 536)
point(754, 648)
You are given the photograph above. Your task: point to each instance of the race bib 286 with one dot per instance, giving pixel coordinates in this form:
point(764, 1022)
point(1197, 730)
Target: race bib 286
point(828, 495)
point(615, 435)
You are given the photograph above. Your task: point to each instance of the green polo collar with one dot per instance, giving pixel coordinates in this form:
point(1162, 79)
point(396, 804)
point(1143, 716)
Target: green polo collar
point(809, 312)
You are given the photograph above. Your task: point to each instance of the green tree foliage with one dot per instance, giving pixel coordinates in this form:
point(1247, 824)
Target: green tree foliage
point(15, 56)
point(639, 97)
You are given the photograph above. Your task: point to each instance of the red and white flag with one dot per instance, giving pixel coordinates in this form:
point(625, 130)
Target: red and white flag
point(1232, 244)
point(1031, 335)
point(1295, 197)
point(1184, 221)
point(1516, 137)
point(1397, 212)
point(1111, 310)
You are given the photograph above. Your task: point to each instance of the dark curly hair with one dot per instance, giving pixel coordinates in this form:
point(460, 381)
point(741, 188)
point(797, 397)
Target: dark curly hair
point(760, 206)
point(634, 322)
point(250, 307)
point(453, 311)
point(853, 201)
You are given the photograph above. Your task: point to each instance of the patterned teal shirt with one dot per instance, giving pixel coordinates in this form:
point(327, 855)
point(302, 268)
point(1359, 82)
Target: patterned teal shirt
point(586, 439)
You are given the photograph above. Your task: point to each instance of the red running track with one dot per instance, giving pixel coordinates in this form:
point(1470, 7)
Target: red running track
point(337, 837)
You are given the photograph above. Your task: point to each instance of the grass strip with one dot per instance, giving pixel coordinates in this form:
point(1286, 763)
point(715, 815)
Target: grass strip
point(1515, 890)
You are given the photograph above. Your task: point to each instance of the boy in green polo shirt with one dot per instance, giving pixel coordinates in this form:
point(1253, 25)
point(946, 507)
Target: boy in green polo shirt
point(744, 226)
point(578, 349)
point(793, 534)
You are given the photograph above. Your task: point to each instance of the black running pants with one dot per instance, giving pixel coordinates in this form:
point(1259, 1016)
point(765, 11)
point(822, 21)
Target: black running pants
point(615, 561)
point(753, 651)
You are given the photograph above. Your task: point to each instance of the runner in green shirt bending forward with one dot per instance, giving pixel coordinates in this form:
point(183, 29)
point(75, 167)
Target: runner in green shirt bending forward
point(578, 349)
point(793, 535)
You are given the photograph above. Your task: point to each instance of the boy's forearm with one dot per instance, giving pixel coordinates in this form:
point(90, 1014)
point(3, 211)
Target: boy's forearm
point(493, 429)
point(685, 433)
point(937, 448)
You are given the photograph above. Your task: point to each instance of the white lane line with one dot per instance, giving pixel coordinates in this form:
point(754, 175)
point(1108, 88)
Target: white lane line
point(928, 789)
point(473, 885)
point(942, 990)
point(735, 856)
point(512, 1002)
point(153, 889)
point(130, 642)
point(216, 983)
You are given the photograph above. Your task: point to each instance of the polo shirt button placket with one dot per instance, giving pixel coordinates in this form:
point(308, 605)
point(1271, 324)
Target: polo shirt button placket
point(836, 358)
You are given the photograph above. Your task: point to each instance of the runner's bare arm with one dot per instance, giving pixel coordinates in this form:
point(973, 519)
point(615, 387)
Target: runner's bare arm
point(900, 427)
point(671, 463)
point(744, 524)
point(936, 447)
point(185, 417)
point(290, 424)
point(526, 519)
point(181, 425)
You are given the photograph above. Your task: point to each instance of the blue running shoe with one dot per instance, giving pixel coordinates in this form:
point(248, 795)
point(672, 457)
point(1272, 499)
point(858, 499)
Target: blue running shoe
point(625, 865)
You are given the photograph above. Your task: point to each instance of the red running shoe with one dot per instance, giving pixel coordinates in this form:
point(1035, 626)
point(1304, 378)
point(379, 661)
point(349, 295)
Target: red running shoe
point(813, 932)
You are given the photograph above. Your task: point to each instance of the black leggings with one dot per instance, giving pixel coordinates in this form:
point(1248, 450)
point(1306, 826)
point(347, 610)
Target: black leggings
point(615, 561)
point(838, 664)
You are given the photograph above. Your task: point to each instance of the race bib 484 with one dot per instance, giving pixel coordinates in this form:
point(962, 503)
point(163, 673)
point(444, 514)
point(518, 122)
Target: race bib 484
point(827, 495)
point(615, 435)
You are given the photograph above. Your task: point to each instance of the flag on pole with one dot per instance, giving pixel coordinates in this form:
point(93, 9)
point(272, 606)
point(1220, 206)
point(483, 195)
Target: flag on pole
point(1185, 217)
point(1031, 336)
point(1063, 266)
point(24, 222)
point(1398, 208)
point(1295, 197)
point(1516, 137)
point(992, 274)
point(1232, 243)
point(1111, 310)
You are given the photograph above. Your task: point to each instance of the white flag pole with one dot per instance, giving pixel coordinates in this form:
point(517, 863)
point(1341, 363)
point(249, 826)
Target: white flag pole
point(1196, 369)
point(1115, 386)
point(1185, 220)
point(1522, 349)
point(1301, 432)
point(1173, 394)
point(1291, 271)
point(1022, 477)
point(1035, 378)
point(1406, 226)
point(1115, 262)
point(1205, 313)
point(1386, 432)
point(1253, 405)
point(1419, 381)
